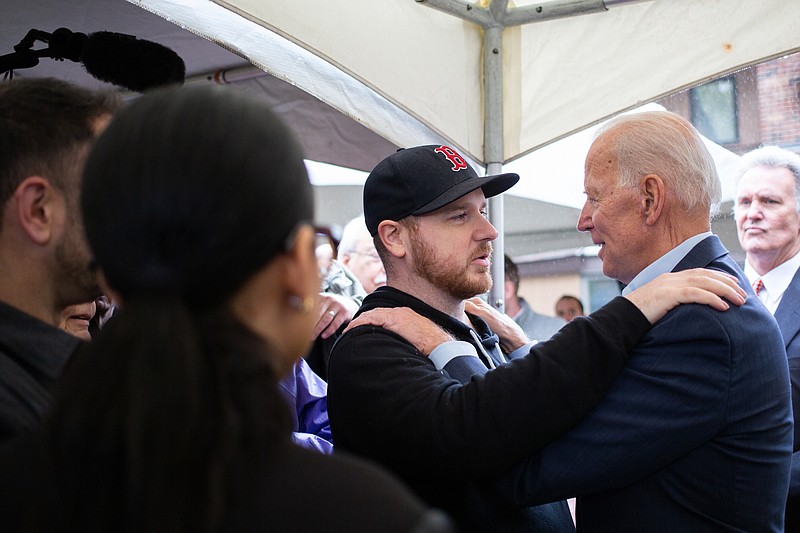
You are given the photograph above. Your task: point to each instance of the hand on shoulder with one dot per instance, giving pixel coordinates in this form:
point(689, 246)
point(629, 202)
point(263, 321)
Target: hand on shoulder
point(697, 285)
point(421, 332)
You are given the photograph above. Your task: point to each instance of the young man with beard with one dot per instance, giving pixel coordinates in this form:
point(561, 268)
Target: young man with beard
point(447, 432)
point(46, 129)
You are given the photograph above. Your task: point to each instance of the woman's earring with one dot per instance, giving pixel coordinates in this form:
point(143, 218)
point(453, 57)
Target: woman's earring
point(304, 306)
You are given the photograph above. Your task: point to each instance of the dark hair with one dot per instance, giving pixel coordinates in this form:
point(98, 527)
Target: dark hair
point(511, 272)
point(191, 192)
point(573, 298)
point(46, 127)
point(186, 195)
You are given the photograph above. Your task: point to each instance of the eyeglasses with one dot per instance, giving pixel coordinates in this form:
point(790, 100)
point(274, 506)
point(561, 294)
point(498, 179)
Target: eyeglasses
point(372, 255)
point(325, 236)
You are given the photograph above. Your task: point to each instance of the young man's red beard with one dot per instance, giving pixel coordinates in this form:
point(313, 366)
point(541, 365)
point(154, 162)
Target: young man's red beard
point(455, 280)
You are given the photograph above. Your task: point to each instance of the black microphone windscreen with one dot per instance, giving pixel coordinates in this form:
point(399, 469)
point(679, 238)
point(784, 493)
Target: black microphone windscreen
point(131, 63)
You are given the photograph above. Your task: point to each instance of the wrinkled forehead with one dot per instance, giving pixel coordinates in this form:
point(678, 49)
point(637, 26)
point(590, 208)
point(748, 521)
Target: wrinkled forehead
point(601, 163)
point(600, 151)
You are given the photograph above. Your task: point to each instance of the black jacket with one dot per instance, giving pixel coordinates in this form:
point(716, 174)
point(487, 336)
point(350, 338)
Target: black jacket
point(33, 356)
point(297, 490)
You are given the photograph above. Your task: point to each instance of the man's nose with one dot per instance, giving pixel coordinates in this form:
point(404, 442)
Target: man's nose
point(754, 211)
point(486, 231)
point(585, 218)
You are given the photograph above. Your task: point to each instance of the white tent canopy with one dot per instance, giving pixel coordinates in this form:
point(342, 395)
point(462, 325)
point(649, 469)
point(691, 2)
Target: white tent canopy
point(413, 74)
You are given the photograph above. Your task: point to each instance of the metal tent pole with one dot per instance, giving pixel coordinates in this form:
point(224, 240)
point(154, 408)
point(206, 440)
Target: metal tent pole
point(493, 148)
point(494, 20)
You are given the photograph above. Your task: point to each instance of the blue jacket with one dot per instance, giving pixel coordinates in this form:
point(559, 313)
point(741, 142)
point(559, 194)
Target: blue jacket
point(788, 316)
point(694, 435)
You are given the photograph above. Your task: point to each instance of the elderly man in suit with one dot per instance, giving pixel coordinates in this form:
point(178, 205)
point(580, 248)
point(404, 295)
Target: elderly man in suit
point(768, 224)
point(695, 434)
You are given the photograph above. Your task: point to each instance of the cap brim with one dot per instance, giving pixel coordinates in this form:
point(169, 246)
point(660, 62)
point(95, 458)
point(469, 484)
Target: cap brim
point(491, 185)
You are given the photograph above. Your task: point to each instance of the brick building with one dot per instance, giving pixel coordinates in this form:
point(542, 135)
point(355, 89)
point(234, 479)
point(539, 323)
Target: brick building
point(757, 106)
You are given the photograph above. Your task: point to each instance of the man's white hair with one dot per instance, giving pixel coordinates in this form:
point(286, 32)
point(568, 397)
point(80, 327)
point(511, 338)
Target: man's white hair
point(772, 157)
point(353, 231)
point(666, 144)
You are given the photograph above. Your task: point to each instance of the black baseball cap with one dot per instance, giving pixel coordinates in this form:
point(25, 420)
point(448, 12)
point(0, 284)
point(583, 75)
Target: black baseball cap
point(419, 180)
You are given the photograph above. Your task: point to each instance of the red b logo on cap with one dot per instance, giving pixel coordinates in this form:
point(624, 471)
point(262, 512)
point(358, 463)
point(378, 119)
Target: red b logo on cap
point(458, 162)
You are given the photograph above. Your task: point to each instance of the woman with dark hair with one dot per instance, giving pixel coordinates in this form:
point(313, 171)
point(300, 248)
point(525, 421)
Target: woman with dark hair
point(196, 205)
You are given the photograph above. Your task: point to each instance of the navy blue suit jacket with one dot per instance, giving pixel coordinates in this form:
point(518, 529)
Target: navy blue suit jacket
point(694, 435)
point(788, 317)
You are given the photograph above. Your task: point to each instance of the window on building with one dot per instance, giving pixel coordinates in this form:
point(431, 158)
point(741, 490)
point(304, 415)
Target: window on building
point(713, 109)
point(600, 291)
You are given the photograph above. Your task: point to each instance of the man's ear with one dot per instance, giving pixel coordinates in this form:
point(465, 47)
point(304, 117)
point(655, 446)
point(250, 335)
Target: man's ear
point(654, 197)
point(36, 205)
point(394, 237)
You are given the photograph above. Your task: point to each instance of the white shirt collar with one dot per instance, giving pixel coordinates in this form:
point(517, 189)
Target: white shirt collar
point(775, 282)
point(665, 263)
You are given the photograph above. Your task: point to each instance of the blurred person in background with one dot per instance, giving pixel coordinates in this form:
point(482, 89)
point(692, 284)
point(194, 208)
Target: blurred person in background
point(568, 307)
point(535, 325)
point(356, 272)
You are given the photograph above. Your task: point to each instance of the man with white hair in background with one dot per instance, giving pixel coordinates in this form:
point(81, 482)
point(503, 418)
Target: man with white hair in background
point(767, 213)
point(356, 272)
point(357, 253)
